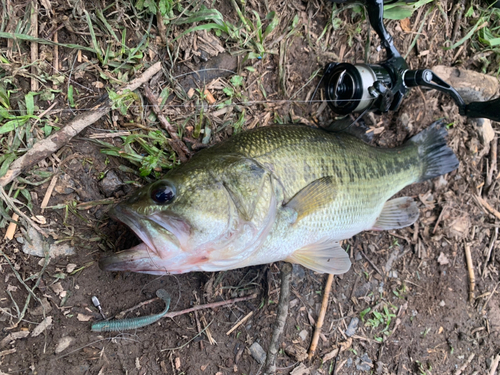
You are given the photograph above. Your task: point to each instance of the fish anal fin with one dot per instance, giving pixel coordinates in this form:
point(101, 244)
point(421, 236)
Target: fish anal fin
point(323, 257)
point(397, 213)
point(315, 196)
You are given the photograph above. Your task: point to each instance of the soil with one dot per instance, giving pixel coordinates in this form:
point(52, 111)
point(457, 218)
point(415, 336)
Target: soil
point(416, 278)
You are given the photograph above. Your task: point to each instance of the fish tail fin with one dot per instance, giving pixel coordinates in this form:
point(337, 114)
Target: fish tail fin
point(437, 158)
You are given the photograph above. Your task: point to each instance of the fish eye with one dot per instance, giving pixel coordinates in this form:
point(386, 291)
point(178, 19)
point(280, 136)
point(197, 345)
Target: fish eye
point(163, 193)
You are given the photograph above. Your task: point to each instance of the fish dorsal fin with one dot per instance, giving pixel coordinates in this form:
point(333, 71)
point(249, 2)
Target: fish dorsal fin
point(324, 257)
point(397, 213)
point(315, 196)
point(243, 179)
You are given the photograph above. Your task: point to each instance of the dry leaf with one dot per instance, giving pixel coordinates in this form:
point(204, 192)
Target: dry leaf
point(405, 25)
point(301, 370)
point(44, 308)
point(46, 4)
point(442, 259)
point(46, 323)
point(177, 363)
point(57, 288)
point(70, 267)
point(204, 367)
point(63, 344)
point(13, 336)
point(83, 317)
point(39, 219)
point(190, 93)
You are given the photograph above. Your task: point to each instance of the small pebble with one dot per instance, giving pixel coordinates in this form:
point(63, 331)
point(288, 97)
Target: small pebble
point(352, 327)
point(364, 363)
point(303, 334)
point(258, 353)
point(110, 183)
point(442, 304)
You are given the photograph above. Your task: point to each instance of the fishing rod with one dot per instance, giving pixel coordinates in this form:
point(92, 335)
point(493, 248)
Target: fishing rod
point(355, 88)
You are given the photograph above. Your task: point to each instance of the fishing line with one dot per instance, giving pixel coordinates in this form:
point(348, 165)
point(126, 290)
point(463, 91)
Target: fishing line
point(189, 106)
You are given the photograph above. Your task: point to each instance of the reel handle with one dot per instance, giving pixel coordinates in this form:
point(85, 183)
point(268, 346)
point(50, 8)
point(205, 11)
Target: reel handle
point(427, 78)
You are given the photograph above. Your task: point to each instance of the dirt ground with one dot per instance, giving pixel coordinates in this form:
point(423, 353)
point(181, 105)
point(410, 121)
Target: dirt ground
point(415, 279)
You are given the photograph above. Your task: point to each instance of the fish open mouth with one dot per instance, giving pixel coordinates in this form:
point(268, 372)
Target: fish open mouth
point(159, 248)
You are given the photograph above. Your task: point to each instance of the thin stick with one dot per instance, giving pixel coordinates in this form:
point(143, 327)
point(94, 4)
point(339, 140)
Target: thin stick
point(198, 325)
point(210, 306)
point(464, 366)
point(124, 312)
point(56, 52)
point(34, 46)
point(489, 297)
point(487, 206)
point(11, 204)
point(493, 163)
point(470, 268)
point(48, 193)
point(239, 323)
point(179, 147)
point(45, 148)
point(11, 230)
point(371, 263)
point(490, 249)
point(210, 338)
point(279, 325)
point(321, 317)
point(494, 365)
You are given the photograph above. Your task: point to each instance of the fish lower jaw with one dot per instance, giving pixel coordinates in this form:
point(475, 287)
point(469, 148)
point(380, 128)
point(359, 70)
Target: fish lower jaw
point(142, 259)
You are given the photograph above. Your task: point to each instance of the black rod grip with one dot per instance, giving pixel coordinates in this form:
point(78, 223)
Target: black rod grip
point(489, 109)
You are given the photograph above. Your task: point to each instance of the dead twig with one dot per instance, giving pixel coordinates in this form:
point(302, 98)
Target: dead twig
point(48, 193)
point(34, 46)
point(11, 230)
point(487, 206)
point(321, 317)
point(470, 268)
point(10, 203)
point(210, 338)
point(279, 325)
point(371, 263)
point(178, 146)
point(245, 318)
point(494, 364)
point(489, 297)
point(490, 249)
point(45, 148)
point(464, 366)
point(493, 163)
point(124, 312)
point(198, 326)
point(210, 306)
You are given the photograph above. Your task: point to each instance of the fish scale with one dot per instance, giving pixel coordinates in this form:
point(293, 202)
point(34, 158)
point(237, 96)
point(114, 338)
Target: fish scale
point(276, 193)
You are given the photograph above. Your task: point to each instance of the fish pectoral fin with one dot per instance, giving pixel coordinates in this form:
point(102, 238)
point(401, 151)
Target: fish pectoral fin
point(315, 196)
point(397, 213)
point(323, 257)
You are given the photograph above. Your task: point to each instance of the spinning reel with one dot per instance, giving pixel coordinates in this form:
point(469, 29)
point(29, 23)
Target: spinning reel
point(381, 87)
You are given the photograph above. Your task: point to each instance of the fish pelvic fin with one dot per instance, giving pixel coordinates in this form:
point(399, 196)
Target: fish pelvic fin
point(315, 196)
point(437, 158)
point(397, 213)
point(323, 257)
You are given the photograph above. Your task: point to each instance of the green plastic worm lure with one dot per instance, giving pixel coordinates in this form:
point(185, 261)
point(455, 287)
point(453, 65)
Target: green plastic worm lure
point(133, 323)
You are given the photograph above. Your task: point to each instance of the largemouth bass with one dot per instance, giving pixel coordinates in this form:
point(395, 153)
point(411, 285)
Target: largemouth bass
point(275, 193)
